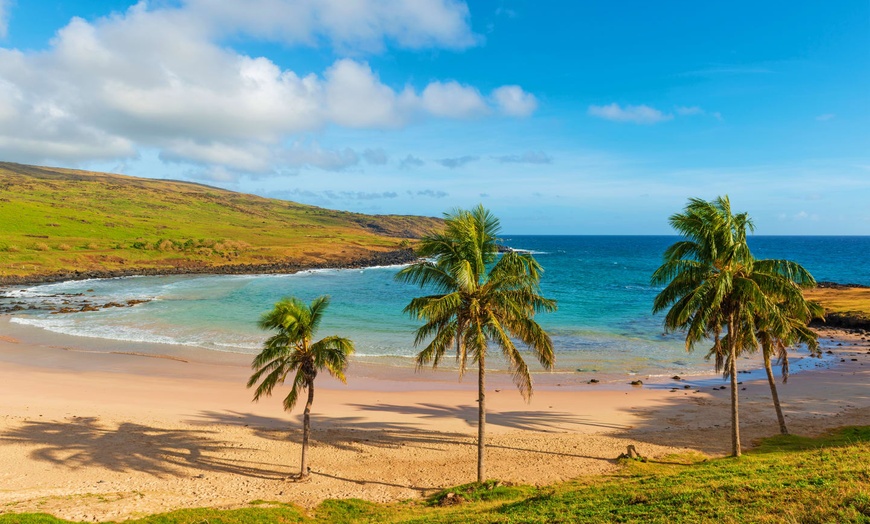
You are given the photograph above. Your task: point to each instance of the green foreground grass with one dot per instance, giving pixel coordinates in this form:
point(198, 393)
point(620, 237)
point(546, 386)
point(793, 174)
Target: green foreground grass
point(62, 220)
point(785, 479)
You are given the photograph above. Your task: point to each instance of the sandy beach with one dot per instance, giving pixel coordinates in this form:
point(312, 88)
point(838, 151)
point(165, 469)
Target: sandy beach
point(93, 435)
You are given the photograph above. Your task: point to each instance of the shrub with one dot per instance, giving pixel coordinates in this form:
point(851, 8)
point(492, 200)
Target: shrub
point(40, 246)
point(64, 247)
point(165, 245)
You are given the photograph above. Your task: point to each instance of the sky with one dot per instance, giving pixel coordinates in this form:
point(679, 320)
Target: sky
point(562, 117)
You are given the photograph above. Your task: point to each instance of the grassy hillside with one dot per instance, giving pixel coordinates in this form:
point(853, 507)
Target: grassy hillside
point(57, 220)
point(786, 479)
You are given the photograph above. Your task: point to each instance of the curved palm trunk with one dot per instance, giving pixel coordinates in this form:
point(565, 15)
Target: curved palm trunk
point(306, 431)
point(481, 417)
point(773, 393)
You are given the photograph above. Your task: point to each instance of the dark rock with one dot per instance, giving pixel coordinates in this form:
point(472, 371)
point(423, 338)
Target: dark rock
point(636, 382)
point(401, 256)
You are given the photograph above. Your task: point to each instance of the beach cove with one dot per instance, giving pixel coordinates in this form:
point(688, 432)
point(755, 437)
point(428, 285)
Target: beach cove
point(112, 429)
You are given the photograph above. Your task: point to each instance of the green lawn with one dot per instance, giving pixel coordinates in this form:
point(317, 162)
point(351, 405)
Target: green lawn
point(787, 479)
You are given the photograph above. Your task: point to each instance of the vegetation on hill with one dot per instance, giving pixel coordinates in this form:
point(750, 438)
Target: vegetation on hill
point(845, 306)
point(786, 479)
point(61, 220)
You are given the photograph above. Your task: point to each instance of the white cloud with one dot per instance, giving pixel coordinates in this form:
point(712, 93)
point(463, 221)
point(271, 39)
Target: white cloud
point(641, 114)
point(161, 78)
point(253, 158)
point(348, 25)
point(307, 155)
point(453, 100)
point(4, 17)
point(355, 97)
point(513, 101)
point(825, 117)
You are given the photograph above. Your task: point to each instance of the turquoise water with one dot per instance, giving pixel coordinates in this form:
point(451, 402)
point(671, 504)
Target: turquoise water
point(604, 322)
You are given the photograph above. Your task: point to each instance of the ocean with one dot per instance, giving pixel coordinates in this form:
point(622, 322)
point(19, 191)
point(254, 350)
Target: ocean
point(604, 323)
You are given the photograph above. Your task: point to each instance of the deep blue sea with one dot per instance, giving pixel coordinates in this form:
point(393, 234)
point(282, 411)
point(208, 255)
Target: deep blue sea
point(604, 321)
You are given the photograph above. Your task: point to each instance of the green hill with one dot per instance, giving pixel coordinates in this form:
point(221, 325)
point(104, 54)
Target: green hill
point(57, 221)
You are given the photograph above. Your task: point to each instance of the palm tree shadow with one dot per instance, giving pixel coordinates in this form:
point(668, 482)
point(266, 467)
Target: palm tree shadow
point(344, 433)
point(542, 421)
point(702, 423)
point(85, 442)
point(356, 433)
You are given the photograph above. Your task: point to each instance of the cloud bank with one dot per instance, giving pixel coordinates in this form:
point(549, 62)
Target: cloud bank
point(161, 78)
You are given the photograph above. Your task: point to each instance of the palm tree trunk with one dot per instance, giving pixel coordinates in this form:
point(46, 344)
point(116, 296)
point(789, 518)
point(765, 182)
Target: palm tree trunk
point(306, 430)
point(481, 416)
point(773, 393)
point(735, 419)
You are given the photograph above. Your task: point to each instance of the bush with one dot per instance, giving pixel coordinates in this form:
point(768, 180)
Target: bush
point(64, 247)
point(40, 246)
point(165, 245)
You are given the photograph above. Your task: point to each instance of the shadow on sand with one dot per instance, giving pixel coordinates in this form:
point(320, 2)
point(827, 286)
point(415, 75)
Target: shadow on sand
point(544, 421)
point(85, 442)
point(702, 421)
point(355, 433)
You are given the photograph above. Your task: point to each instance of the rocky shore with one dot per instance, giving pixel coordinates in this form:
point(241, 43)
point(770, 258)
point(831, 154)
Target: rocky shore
point(401, 256)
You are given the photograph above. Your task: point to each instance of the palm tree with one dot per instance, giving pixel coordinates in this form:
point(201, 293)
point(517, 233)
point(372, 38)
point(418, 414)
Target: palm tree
point(480, 299)
point(781, 331)
point(714, 285)
point(290, 350)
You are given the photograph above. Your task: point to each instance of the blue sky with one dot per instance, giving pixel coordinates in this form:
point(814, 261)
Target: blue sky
point(562, 117)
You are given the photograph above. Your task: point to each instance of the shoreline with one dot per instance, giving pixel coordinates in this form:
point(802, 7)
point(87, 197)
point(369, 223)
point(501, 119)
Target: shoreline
point(394, 371)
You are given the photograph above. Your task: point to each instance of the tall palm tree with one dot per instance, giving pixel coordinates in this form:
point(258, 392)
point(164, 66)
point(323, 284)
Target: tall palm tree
point(291, 350)
point(479, 299)
point(779, 332)
point(714, 285)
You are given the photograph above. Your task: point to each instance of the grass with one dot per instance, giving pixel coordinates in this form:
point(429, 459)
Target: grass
point(789, 479)
point(841, 300)
point(58, 220)
point(848, 306)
